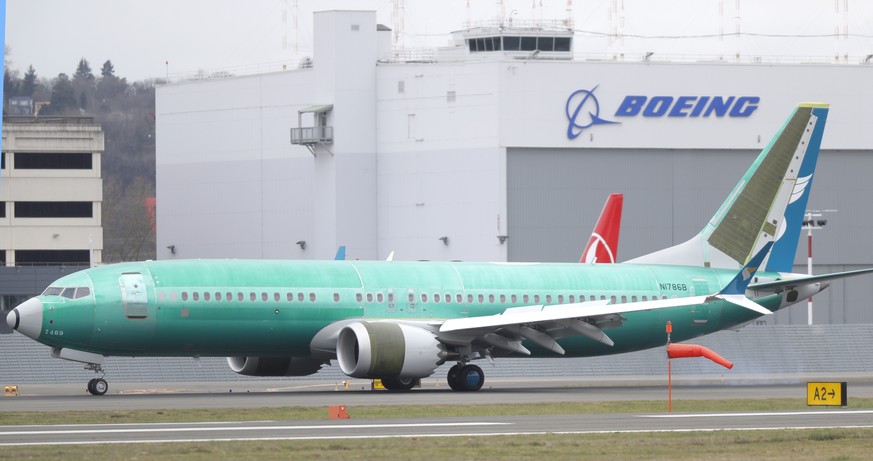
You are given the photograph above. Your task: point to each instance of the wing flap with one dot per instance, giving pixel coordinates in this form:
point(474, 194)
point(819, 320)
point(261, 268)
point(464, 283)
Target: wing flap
point(543, 324)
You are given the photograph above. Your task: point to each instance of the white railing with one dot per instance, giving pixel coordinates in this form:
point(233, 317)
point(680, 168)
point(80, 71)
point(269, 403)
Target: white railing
point(312, 135)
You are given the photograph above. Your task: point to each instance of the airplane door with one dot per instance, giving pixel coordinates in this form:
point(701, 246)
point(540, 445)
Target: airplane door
point(702, 314)
point(133, 295)
point(125, 319)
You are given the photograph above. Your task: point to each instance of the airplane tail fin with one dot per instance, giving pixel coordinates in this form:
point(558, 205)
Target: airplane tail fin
point(603, 244)
point(767, 205)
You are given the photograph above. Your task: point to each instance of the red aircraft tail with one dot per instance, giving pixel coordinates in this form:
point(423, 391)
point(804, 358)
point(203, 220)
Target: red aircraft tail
point(603, 244)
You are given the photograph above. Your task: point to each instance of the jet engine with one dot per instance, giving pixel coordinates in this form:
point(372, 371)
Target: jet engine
point(274, 366)
point(388, 350)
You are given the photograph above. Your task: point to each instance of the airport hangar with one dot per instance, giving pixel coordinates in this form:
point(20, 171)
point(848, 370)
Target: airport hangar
point(498, 155)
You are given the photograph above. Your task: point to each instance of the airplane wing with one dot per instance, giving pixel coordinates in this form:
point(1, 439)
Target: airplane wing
point(542, 325)
point(778, 286)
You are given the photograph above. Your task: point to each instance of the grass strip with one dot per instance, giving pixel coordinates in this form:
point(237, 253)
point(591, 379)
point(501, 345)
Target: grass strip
point(828, 444)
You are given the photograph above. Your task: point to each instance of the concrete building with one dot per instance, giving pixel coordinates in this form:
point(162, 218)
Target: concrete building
point(51, 191)
point(502, 147)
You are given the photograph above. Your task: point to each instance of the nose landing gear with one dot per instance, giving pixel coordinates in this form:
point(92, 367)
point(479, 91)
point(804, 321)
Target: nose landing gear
point(97, 386)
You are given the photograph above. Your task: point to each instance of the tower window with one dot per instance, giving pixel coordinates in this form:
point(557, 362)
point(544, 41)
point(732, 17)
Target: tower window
point(53, 161)
point(54, 209)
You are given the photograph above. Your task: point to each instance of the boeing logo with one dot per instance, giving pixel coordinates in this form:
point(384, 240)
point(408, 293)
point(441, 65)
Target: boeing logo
point(578, 101)
point(688, 106)
point(583, 109)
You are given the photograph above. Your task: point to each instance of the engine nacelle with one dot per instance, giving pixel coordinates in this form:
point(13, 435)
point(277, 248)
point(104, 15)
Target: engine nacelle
point(274, 366)
point(388, 350)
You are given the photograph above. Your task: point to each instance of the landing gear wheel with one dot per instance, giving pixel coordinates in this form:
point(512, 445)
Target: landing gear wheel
point(399, 384)
point(465, 378)
point(470, 378)
point(98, 386)
point(452, 378)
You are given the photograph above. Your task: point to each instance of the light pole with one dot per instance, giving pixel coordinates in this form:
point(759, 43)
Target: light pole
point(813, 220)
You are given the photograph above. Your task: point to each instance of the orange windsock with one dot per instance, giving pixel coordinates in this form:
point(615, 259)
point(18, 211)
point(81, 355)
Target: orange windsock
point(679, 351)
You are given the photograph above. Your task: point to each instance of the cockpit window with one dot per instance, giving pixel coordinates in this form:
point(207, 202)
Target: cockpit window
point(68, 292)
point(52, 291)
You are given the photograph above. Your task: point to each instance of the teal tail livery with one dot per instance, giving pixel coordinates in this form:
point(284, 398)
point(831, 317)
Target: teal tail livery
point(399, 321)
point(767, 205)
point(782, 256)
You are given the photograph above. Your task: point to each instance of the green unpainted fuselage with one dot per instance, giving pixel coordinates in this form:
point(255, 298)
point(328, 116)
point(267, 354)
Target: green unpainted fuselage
point(274, 308)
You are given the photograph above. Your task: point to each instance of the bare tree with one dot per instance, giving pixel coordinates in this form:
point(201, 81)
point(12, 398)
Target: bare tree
point(128, 233)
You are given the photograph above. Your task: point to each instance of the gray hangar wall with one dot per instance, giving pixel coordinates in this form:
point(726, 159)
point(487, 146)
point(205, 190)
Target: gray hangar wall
point(554, 197)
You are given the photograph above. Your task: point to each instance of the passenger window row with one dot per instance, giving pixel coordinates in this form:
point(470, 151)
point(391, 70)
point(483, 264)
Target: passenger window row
point(238, 297)
point(379, 297)
point(481, 298)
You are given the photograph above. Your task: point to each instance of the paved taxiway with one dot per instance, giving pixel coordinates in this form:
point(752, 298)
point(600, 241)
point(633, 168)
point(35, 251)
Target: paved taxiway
point(315, 394)
point(435, 427)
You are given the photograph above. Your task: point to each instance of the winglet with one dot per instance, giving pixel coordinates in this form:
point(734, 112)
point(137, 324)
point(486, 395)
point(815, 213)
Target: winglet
point(340, 253)
point(735, 291)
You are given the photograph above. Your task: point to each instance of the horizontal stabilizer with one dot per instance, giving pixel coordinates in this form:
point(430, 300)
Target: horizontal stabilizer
point(778, 286)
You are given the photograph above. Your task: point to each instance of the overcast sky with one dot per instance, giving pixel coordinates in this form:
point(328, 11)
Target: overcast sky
point(142, 36)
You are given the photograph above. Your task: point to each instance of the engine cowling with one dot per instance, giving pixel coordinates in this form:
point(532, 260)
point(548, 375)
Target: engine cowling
point(274, 366)
point(388, 350)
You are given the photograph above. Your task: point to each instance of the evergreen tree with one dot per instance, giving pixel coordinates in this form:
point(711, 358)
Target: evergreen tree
point(10, 87)
point(63, 99)
point(10, 83)
point(109, 88)
point(108, 70)
point(83, 71)
point(28, 85)
point(83, 84)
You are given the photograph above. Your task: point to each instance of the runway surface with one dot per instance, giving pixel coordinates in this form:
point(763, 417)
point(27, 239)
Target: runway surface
point(315, 394)
point(19, 436)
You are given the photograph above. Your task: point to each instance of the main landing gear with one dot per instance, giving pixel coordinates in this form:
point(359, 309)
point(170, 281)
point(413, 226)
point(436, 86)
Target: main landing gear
point(399, 384)
point(465, 378)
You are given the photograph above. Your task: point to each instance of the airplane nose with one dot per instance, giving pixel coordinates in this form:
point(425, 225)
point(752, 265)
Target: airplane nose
point(27, 318)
